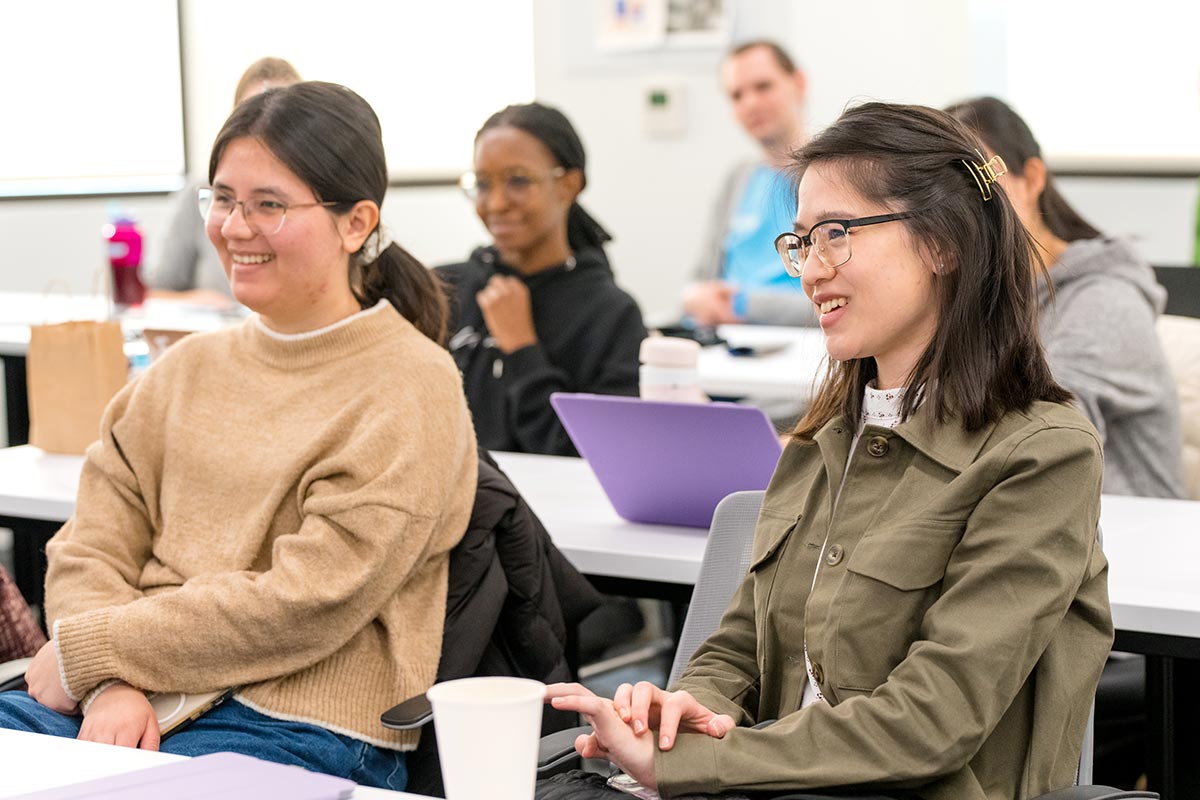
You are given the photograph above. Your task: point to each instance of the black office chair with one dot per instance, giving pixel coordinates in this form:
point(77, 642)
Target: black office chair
point(1183, 289)
point(726, 561)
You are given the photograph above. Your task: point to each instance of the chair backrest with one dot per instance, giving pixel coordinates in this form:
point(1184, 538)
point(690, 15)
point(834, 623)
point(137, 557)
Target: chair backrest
point(1180, 338)
point(1183, 289)
point(726, 561)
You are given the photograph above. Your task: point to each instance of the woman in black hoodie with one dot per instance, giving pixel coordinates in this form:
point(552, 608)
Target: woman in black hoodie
point(537, 311)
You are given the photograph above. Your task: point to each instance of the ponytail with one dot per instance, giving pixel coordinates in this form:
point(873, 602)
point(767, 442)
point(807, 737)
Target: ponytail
point(584, 232)
point(1063, 221)
point(397, 276)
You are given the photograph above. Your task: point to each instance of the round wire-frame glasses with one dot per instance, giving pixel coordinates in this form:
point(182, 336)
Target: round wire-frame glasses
point(515, 183)
point(829, 238)
point(263, 215)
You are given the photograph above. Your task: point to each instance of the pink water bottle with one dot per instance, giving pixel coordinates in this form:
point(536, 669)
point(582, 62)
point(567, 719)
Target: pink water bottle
point(125, 257)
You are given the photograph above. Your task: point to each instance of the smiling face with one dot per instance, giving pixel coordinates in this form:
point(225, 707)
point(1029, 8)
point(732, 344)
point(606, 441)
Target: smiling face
point(297, 279)
point(525, 207)
point(881, 303)
point(766, 98)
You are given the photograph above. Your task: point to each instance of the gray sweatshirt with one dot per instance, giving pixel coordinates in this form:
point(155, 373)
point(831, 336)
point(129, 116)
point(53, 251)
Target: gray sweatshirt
point(1099, 336)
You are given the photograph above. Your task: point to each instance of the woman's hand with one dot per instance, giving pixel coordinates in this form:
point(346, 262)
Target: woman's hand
point(121, 715)
point(45, 682)
point(507, 312)
point(611, 738)
point(710, 302)
point(646, 707)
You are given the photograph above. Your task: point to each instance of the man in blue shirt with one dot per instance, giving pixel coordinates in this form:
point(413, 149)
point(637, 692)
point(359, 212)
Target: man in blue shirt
point(739, 278)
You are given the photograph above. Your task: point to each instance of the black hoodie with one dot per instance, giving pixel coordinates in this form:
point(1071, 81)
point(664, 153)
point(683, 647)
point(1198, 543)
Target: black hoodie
point(588, 330)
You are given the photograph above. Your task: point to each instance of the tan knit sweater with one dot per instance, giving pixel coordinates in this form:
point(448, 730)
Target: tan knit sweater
point(272, 513)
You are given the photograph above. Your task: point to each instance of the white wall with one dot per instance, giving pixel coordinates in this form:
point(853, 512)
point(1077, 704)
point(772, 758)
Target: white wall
point(653, 194)
point(59, 242)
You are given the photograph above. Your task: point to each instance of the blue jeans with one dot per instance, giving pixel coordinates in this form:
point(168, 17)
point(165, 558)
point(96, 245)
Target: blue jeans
point(235, 728)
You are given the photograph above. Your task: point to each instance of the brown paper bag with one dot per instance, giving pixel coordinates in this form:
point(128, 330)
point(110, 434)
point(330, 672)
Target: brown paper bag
point(73, 370)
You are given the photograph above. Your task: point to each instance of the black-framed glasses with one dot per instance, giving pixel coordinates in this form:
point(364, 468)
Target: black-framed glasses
point(263, 215)
point(830, 238)
point(515, 183)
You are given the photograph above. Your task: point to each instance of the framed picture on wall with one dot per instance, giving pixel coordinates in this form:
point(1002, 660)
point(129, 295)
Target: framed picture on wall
point(648, 25)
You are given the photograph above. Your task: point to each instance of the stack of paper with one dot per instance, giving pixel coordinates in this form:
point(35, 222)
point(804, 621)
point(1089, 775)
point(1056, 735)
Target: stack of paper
point(228, 776)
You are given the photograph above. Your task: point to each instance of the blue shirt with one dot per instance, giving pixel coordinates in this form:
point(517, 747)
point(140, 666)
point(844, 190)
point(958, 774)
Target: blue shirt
point(766, 209)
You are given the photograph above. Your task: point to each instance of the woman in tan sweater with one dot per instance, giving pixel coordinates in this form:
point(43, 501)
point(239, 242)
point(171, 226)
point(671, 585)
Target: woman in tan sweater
point(270, 507)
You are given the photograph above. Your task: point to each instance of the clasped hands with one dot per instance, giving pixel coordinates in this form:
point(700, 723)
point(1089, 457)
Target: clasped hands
point(508, 312)
point(623, 729)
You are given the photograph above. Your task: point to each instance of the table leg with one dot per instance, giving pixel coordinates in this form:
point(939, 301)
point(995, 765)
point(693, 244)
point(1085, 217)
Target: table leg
point(16, 400)
point(1172, 698)
point(29, 555)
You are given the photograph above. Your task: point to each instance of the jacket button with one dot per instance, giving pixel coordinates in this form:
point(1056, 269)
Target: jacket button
point(877, 446)
point(833, 556)
point(818, 673)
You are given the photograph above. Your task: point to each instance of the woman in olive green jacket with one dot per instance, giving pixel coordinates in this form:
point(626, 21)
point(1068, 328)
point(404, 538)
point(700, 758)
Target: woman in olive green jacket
point(926, 613)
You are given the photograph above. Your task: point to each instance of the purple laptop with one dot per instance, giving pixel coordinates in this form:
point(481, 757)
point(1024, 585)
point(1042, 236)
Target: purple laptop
point(669, 463)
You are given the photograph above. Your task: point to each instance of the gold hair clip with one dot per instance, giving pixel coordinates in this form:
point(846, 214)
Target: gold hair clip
point(986, 173)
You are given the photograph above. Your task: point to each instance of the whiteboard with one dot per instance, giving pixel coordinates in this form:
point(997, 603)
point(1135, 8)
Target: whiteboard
point(433, 71)
point(1106, 85)
point(94, 92)
point(91, 96)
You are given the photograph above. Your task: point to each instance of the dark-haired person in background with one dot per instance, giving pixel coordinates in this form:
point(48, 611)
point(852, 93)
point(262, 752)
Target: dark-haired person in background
point(271, 506)
point(926, 611)
point(1098, 311)
point(738, 277)
point(537, 311)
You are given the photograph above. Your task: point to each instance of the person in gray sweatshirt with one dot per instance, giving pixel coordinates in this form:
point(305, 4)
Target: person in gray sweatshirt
point(1097, 316)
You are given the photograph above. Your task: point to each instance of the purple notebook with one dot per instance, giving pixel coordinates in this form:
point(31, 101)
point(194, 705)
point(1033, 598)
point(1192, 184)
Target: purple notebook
point(670, 463)
point(227, 776)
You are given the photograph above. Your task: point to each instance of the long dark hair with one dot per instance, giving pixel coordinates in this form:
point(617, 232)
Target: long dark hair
point(330, 137)
point(985, 357)
point(552, 128)
point(1004, 132)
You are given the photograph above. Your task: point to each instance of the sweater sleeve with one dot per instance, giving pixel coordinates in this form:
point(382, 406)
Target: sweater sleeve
point(779, 308)
point(175, 270)
point(96, 559)
point(530, 378)
point(1028, 547)
point(371, 516)
point(711, 265)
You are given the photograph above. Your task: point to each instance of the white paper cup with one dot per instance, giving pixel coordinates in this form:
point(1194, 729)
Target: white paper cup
point(487, 733)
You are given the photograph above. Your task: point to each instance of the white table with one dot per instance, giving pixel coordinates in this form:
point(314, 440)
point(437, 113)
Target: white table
point(38, 489)
point(1153, 547)
point(793, 360)
point(32, 762)
point(19, 310)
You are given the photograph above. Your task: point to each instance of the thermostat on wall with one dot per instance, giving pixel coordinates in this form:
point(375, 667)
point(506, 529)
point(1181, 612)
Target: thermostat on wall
point(663, 111)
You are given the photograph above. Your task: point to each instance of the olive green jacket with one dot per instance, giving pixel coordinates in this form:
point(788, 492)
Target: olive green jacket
point(957, 626)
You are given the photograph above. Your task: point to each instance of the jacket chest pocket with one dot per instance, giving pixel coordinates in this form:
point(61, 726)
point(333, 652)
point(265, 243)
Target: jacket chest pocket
point(893, 577)
point(772, 536)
